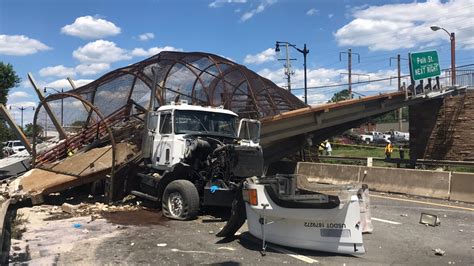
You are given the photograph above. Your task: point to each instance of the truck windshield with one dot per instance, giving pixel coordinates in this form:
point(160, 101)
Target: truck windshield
point(201, 122)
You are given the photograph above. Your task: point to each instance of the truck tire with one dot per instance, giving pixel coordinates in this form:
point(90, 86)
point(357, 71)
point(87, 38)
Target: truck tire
point(180, 200)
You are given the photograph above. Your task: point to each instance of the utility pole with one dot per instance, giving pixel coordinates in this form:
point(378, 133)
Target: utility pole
point(287, 65)
point(349, 68)
point(399, 79)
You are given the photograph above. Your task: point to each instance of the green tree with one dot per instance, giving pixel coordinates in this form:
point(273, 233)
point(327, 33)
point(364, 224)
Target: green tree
point(391, 117)
point(340, 96)
point(8, 80)
point(29, 130)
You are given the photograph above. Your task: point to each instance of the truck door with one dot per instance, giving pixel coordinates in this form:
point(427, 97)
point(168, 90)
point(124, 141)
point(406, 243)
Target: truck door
point(163, 141)
point(249, 132)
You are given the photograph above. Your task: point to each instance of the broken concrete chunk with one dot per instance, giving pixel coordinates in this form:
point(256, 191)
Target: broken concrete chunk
point(69, 208)
point(439, 252)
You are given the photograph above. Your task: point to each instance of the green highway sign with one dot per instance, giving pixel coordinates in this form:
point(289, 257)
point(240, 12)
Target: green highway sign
point(424, 65)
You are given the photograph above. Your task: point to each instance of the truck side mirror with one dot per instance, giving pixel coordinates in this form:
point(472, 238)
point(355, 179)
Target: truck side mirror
point(249, 130)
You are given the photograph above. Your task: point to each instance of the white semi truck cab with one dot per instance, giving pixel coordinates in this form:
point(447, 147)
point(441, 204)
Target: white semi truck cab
point(195, 156)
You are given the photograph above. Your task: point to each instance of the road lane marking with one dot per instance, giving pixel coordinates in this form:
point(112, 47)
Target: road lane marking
point(292, 254)
point(385, 221)
point(284, 251)
point(423, 202)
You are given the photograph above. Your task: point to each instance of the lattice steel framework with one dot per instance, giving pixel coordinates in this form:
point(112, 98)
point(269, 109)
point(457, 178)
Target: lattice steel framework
point(200, 78)
point(119, 99)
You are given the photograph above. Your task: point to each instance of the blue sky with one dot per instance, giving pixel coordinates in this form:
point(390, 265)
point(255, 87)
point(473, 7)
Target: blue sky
point(85, 39)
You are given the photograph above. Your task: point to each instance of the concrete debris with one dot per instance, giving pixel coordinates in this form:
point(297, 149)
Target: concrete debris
point(404, 215)
point(85, 209)
point(19, 250)
point(69, 208)
point(439, 252)
point(43, 244)
point(70, 172)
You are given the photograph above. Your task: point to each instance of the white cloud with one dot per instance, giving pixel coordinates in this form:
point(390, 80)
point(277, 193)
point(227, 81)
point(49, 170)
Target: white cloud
point(219, 3)
point(265, 56)
point(395, 26)
point(18, 95)
point(315, 77)
point(92, 69)
point(88, 27)
point(100, 51)
point(64, 83)
point(57, 71)
point(260, 8)
point(321, 77)
point(153, 51)
point(146, 36)
point(312, 12)
point(20, 45)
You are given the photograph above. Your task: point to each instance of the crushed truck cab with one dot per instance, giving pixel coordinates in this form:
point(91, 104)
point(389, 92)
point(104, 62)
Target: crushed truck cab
point(194, 156)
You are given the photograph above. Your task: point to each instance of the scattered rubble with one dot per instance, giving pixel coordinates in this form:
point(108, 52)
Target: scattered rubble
point(94, 209)
point(81, 223)
point(439, 252)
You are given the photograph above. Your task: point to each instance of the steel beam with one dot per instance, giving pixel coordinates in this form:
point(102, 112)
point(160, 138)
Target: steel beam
point(57, 125)
point(15, 128)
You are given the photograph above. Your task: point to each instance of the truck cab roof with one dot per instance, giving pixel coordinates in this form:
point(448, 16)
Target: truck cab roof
point(184, 106)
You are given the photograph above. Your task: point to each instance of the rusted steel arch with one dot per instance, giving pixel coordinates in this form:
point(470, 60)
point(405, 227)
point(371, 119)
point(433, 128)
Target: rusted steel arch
point(216, 65)
point(63, 95)
point(235, 87)
point(192, 71)
point(264, 96)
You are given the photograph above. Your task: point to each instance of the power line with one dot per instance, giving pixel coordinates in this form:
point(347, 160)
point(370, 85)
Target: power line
point(370, 81)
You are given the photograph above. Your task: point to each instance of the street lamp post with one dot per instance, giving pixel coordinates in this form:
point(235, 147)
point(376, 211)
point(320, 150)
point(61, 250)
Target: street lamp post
point(21, 108)
point(452, 38)
point(304, 51)
point(62, 102)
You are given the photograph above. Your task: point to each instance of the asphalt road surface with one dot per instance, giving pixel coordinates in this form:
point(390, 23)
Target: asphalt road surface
point(144, 237)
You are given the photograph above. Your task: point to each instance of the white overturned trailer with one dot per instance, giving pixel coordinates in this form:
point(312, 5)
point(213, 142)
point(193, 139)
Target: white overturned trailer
point(290, 211)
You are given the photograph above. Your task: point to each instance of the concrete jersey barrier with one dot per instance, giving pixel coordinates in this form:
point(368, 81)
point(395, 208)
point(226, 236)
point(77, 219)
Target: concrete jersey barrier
point(462, 187)
point(434, 184)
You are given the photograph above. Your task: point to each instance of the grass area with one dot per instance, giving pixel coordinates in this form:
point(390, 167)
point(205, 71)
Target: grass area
point(374, 151)
point(364, 151)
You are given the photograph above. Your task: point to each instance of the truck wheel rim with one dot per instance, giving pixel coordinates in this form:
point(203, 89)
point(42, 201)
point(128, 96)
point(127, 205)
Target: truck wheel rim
point(175, 204)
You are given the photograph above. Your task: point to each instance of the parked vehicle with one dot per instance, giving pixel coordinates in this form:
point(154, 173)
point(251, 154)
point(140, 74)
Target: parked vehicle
point(195, 156)
point(375, 136)
point(12, 147)
point(397, 136)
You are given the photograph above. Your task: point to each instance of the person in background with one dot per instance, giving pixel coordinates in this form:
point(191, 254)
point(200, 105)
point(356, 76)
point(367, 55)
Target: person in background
point(328, 148)
point(321, 148)
point(402, 152)
point(388, 150)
